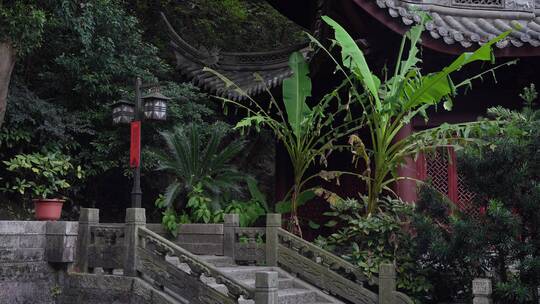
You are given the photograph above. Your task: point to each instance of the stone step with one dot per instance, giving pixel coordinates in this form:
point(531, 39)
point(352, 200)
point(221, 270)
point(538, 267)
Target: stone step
point(287, 292)
point(293, 296)
point(283, 283)
point(290, 289)
point(218, 261)
point(296, 296)
point(242, 273)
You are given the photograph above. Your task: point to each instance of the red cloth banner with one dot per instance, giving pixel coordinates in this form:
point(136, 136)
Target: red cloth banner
point(135, 149)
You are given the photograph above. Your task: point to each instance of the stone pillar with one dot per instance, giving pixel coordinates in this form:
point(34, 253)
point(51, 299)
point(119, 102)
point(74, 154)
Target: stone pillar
point(387, 283)
point(266, 287)
point(135, 218)
point(61, 242)
point(273, 223)
point(482, 291)
point(232, 221)
point(87, 218)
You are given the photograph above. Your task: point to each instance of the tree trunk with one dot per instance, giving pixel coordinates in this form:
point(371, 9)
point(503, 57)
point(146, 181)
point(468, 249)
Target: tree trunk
point(7, 61)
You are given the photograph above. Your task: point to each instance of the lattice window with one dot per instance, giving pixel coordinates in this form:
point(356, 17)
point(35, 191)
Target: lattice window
point(441, 168)
point(479, 3)
point(437, 170)
point(465, 197)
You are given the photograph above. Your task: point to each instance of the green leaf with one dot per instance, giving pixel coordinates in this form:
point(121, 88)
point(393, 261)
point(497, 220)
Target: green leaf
point(296, 89)
point(256, 193)
point(435, 86)
point(331, 223)
point(313, 225)
point(354, 59)
point(413, 35)
point(249, 121)
point(448, 104)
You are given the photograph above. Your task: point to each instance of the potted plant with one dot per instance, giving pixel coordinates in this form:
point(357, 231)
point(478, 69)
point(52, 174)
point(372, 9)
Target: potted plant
point(45, 176)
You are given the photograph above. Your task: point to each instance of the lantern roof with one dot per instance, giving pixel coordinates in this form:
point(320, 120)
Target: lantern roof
point(156, 95)
point(122, 102)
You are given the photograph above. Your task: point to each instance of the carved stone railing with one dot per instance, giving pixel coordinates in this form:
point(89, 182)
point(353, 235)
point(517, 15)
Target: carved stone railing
point(153, 252)
point(106, 248)
point(204, 239)
point(99, 245)
point(323, 269)
point(141, 252)
point(320, 256)
point(335, 275)
point(250, 245)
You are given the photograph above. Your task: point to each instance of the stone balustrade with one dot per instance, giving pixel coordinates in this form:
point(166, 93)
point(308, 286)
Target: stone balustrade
point(38, 256)
point(31, 255)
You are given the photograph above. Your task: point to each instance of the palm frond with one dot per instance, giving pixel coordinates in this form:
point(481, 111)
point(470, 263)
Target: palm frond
point(171, 193)
point(195, 159)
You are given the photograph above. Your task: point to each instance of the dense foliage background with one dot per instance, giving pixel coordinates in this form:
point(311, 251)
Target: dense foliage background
point(85, 55)
point(75, 58)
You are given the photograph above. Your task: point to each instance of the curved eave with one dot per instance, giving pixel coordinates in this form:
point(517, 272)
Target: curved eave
point(253, 72)
point(395, 24)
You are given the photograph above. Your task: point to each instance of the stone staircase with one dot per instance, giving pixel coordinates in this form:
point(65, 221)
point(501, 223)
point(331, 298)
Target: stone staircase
point(203, 264)
point(291, 290)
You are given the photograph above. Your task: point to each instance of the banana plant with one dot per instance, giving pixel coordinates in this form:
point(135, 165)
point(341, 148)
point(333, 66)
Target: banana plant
point(309, 133)
point(389, 105)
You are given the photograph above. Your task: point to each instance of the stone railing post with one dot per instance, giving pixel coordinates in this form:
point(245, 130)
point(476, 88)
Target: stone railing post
point(266, 287)
point(231, 222)
point(482, 291)
point(273, 223)
point(61, 242)
point(135, 218)
point(87, 218)
point(387, 283)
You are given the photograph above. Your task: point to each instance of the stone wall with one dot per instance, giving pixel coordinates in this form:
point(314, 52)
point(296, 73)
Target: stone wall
point(36, 260)
point(32, 256)
point(100, 289)
point(205, 239)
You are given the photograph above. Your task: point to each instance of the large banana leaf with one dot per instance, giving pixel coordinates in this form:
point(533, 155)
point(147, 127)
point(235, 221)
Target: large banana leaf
point(296, 89)
point(354, 59)
point(436, 86)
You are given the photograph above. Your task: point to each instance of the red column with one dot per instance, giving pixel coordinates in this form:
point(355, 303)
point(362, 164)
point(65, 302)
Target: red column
point(452, 176)
point(406, 189)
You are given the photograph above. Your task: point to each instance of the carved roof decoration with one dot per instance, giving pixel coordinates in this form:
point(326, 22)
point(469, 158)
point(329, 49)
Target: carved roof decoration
point(473, 22)
point(241, 68)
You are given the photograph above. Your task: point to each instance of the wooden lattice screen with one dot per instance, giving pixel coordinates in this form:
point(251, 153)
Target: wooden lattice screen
point(440, 167)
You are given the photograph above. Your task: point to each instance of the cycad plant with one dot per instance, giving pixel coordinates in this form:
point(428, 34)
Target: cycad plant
point(390, 105)
point(199, 164)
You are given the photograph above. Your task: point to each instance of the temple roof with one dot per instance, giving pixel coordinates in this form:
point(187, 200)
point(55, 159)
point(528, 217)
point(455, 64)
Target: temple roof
point(242, 68)
point(455, 26)
point(469, 23)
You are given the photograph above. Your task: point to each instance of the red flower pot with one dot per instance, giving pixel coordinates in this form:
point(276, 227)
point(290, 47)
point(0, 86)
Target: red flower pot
point(48, 209)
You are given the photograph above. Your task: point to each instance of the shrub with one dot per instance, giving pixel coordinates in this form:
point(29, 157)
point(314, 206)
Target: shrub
point(44, 175)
